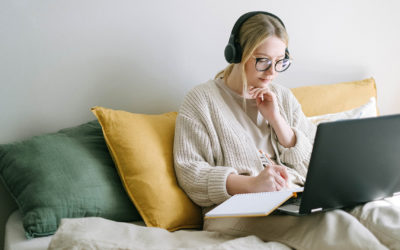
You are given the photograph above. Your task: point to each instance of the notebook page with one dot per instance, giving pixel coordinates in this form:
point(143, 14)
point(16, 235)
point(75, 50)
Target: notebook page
point(251, 204)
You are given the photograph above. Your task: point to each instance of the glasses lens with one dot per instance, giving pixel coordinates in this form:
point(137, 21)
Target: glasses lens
point(262, 64)
point(282, 65)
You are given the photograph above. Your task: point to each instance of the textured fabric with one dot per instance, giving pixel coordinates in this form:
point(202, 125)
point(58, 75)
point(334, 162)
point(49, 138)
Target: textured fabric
point(210, 144)
point(97, 233)
point(252, 121)
point(333, 98)
point(63, 175)
point(364, 111)
point(141, 146)
point(14, 238)
point(375, 225)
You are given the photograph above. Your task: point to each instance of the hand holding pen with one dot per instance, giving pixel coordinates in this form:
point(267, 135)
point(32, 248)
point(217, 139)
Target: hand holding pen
point(273, 177)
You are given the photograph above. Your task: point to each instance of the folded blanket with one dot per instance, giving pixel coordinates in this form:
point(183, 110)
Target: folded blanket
point(99, 233)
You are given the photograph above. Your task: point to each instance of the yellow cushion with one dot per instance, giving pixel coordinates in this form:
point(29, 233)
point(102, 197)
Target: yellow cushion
point(142, 148)
point(333, 98)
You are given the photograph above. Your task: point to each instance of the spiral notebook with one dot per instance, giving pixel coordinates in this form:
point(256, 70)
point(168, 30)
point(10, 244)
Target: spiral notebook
point(252, 204)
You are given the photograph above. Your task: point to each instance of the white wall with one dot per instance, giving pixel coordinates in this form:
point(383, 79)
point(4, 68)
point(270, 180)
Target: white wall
point(59, 58)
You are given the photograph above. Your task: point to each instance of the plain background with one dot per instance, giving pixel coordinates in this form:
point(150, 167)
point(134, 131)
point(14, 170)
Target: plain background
point(60, 58)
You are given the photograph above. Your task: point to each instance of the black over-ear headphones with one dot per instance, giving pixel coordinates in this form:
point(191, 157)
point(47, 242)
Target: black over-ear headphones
point(233, 50)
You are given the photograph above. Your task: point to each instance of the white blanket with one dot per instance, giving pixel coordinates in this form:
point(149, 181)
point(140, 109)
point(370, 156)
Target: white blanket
point(99, 233)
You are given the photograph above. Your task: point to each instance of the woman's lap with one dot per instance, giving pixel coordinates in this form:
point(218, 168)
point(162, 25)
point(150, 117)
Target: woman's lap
point(382, 218)
point(364, 227)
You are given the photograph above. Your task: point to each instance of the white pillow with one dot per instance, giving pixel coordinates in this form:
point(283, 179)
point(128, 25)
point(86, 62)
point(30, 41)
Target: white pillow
point(366, 110)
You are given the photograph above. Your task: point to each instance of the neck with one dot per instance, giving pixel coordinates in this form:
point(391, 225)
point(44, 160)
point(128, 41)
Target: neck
point(234, 80)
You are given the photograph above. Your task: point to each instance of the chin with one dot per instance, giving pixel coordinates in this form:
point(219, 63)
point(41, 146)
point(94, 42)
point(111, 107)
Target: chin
point(264, 82)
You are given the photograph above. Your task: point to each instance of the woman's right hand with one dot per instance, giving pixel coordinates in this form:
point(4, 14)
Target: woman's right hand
point(271, 178)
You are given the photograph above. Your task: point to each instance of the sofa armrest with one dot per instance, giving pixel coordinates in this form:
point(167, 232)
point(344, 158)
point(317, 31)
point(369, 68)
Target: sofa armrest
point(7, 206)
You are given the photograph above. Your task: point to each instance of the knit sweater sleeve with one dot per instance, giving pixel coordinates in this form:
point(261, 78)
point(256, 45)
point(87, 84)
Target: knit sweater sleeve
point(196, 172)
point(304, 130)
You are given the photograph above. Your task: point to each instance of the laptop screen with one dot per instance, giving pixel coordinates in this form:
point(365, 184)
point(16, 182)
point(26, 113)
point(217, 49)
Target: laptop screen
point(353, 162)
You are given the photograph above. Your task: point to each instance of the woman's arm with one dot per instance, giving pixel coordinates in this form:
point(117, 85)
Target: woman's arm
point(294, 132)
point(284, 132)
point(196, 173)
point(269, 108)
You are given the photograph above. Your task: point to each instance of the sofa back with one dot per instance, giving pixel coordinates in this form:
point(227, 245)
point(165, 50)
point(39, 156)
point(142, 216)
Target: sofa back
point(315, 100)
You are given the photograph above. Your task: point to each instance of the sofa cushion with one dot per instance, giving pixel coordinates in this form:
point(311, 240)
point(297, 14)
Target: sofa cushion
point(333, 98)
point(67, 174)
point(364, 111)
point(141, 146)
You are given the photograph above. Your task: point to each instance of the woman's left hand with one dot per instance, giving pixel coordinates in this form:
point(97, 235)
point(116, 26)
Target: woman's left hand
point(268, 106)
point(266, 102)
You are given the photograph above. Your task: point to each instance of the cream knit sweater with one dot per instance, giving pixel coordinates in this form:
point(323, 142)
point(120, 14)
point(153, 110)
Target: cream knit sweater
point(210, 143)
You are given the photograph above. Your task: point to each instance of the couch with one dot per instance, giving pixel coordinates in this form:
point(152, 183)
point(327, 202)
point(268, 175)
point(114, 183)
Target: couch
point(119, 168)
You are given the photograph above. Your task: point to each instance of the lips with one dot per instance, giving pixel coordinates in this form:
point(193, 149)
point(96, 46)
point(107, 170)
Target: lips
point(265, 80)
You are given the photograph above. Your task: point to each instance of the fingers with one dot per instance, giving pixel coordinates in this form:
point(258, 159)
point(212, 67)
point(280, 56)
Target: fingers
point(282, 171)
point(280, 183)
point(257, 93)
point(260, 94)
point(259, 101)
point(273, 178)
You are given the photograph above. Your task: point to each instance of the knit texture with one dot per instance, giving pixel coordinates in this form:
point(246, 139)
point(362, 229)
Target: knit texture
point(210, 143)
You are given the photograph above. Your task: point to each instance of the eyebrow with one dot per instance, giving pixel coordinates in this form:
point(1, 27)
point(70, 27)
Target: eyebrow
point(262, 54)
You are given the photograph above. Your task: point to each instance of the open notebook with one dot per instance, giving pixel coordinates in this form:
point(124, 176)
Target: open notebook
point(252, 204)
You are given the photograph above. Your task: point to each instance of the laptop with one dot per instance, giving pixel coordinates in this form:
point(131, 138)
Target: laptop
point(352, 162)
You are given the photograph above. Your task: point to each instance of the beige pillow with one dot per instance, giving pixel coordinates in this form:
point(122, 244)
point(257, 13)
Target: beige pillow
point(141, 146)
point(364, 111)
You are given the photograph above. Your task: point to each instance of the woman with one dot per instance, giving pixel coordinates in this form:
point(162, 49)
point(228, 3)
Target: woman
point(226, 127)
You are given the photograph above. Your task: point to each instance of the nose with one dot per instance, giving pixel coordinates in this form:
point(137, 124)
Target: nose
point(270, 71)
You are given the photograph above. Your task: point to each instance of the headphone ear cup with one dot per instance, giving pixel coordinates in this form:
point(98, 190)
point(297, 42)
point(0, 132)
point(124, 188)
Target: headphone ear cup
point(233, 53)
point(230, 53)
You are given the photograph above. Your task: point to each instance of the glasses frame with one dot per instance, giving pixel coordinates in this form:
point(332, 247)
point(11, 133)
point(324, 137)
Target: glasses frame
point(276, 63)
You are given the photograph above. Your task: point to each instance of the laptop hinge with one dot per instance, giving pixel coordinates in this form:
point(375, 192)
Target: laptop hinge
point(316, 209)
point(396, 194)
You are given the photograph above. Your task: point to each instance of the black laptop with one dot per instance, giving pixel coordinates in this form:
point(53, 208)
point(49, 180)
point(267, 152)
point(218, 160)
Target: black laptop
point(352, 162)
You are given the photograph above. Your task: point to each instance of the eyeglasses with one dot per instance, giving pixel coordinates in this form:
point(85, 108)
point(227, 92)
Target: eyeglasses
point(263, 64)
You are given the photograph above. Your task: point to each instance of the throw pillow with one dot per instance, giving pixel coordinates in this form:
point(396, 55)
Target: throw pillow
point(142, 148)
point(333, 98)
point(67, 174)
point(364, 111)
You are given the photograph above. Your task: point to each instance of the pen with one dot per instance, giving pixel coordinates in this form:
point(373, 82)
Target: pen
point(265, 159)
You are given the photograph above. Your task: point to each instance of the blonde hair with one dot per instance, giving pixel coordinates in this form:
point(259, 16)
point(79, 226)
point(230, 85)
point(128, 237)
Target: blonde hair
point(252, 33)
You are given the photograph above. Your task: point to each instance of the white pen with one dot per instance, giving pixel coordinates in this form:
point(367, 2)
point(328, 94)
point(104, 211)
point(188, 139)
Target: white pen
point(265, 159)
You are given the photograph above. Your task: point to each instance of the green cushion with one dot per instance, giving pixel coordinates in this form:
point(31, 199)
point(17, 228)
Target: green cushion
point(64, 175)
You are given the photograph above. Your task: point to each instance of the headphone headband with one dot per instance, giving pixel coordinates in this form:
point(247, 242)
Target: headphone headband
point(233, 50)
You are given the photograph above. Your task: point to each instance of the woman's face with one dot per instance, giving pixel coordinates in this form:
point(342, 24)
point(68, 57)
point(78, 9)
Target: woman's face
point(272, 48)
